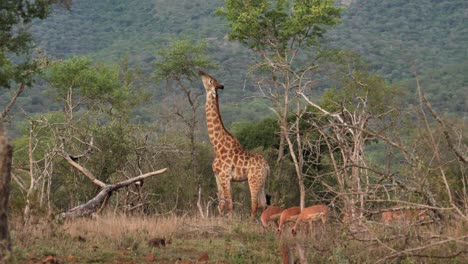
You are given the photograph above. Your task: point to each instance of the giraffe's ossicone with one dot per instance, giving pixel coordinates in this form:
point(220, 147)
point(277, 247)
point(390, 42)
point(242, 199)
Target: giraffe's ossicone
point(232, 162)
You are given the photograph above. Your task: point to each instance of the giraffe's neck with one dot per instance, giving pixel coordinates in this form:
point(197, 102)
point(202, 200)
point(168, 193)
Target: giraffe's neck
point(217, 133)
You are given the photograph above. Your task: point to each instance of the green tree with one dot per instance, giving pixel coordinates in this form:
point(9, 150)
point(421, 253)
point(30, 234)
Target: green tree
point(15, 66)
point(178, 64)
point(259, 134)
point(79, 83)
point(278, 31)
point(16, 63)
point(94, 127)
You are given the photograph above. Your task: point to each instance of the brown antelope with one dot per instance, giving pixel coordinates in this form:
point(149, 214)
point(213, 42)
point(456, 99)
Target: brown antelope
point(403, 215)
point(286, 216)
point(311, 214)
point(265, 218)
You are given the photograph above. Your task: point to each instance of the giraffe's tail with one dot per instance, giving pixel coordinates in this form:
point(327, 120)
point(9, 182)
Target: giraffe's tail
point(262, 201)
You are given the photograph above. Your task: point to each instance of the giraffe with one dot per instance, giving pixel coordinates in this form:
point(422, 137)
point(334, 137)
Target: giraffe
point(232, 162)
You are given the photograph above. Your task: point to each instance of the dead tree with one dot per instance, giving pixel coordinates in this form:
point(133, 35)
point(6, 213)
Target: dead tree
point(96, 204)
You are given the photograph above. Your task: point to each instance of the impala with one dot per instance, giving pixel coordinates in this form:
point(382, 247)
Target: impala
point(286, 216)
point(311, 214)
point(397, 214)
point(265, 218)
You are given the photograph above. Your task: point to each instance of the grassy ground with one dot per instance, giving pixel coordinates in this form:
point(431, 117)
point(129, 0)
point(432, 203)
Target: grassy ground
point(122, 239)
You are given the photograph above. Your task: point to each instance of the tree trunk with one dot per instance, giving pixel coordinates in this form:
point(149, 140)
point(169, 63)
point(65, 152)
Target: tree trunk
point(6, 152)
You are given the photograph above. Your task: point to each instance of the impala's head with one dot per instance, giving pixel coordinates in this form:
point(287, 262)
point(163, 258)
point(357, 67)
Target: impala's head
point(210, 83)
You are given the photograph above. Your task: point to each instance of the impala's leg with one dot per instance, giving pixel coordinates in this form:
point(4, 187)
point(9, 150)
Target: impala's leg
point(311, 228)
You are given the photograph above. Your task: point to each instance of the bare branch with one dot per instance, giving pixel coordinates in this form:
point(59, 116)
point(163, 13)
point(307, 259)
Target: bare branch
point(426, 103)
point(83, 170)
point(409, 251)
point(12, 101)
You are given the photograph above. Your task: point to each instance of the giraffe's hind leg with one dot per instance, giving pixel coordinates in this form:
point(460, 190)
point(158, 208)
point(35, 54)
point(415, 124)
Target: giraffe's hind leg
point(256, 177)
point(256, 189)
point(254, 201)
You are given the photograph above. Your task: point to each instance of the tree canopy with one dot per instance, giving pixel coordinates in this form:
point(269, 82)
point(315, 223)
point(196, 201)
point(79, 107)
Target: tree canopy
point(275, 25)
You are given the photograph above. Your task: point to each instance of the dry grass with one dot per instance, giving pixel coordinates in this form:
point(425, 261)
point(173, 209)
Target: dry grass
point(124, 239)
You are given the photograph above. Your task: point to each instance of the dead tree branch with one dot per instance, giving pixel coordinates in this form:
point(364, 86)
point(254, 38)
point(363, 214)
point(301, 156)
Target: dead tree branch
point(94, 204)
point(99, 201)
point(426, 103)
point(12, 101)
point(409, 252)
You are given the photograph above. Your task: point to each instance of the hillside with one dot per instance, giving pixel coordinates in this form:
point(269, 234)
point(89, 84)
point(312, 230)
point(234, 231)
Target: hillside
point(394, 35)
point(390, 35)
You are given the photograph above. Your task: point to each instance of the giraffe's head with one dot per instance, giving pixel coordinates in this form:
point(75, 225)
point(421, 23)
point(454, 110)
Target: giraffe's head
point(210, 83)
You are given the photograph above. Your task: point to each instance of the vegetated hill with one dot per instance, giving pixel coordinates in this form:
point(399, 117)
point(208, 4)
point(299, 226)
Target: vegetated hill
point(446, 89)
point(108, 30)
point(111, 30)
point(391, 36)
point(394, 35)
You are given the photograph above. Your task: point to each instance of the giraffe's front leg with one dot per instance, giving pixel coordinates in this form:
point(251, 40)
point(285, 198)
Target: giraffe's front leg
point(224, 193)
point(225, 188)
point(221, 198)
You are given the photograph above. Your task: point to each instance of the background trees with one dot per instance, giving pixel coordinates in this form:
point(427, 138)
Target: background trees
point(178, 64)
point(347, 133)
point(132, 113)
point(15, 67)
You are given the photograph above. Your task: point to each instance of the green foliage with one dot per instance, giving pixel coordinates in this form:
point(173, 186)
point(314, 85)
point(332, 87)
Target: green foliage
point(259, 134)
point(77, 82)
point(395, 35)
point(85, 82)
point(106, 95)
point(361, 90)
point(16, 41)
point(252, 110)
point(445, 88)
point(181, 59)
point(114, 139)
point(390, 36)
point(274, 25)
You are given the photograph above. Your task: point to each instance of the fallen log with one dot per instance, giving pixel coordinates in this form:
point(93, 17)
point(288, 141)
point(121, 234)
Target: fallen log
point(96, 204)
point(99, 201)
